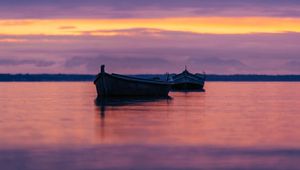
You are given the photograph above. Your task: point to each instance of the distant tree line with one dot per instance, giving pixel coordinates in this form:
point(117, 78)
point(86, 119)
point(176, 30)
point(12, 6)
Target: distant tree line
point(80, 77)
point(253, 78)
point(45, 77)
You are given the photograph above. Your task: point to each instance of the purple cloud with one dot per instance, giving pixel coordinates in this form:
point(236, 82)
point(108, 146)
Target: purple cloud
point(129, 64)
point(217, 62)
point(37, 63)
point(146, 8)
point(293, 65)
point(148, 53)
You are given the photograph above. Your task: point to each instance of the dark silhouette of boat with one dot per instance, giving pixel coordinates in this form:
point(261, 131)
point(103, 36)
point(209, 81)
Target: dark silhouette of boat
point(116, 85)
point(186, 81)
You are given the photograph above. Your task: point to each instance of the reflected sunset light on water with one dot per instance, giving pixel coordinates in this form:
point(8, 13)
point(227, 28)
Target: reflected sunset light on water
point(240, 123)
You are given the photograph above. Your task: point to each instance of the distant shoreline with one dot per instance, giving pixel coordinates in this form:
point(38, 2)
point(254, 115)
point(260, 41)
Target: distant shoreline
point(88, 77)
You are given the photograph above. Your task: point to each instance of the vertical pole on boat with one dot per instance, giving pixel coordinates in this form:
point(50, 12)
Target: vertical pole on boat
point(102, 69)
point(103, 80)
point(185, 79)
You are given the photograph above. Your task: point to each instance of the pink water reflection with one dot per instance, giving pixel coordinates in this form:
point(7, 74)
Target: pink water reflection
point(232, 125)
point(228, 114)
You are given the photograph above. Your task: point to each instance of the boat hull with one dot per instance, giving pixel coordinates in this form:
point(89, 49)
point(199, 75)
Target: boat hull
point(187, 87)
point(109, 85)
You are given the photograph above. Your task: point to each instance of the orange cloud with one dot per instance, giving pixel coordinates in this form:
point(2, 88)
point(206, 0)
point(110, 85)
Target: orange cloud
point(205, 25)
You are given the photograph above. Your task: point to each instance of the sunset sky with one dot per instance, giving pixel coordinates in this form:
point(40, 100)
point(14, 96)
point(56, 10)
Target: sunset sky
point(150, 36)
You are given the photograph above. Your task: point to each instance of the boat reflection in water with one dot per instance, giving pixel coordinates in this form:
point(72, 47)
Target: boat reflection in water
point(119, 118)
point(103, 102)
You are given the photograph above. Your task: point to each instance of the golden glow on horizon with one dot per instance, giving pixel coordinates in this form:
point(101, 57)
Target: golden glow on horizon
point(206, 25)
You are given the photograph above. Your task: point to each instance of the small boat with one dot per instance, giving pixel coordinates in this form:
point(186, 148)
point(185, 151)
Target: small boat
point(187, 81)
point(116, 85)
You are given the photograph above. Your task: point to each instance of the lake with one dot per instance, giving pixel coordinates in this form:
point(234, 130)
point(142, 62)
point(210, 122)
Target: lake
point(233, 125)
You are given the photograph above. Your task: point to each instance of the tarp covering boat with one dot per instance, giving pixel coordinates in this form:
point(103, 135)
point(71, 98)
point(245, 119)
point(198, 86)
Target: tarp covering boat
point(187, 81)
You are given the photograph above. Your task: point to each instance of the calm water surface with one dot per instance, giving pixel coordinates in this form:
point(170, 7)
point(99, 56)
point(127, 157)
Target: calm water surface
point(230, 126)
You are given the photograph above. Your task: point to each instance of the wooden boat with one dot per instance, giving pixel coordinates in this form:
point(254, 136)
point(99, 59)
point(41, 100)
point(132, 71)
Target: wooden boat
point(187, 81)
point(115, 85)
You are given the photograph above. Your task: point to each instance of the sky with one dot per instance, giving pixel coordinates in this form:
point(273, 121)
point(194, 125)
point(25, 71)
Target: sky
point(150, 36)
